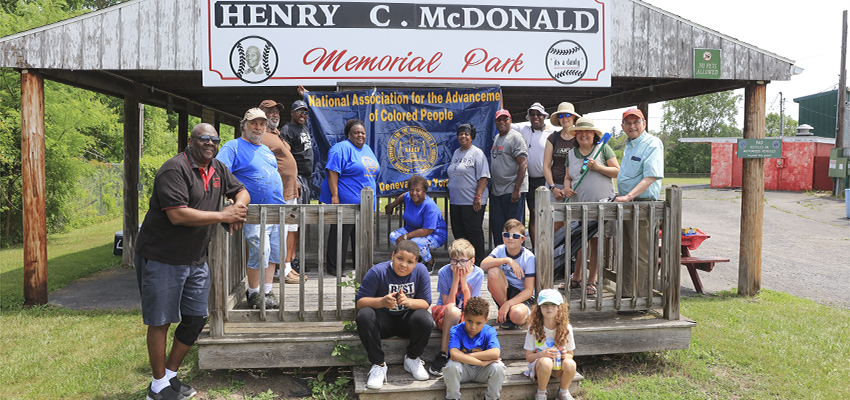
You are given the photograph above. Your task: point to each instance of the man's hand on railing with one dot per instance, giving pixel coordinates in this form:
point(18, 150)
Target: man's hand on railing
point(234, 215)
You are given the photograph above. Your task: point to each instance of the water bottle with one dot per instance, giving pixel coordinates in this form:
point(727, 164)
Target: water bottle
point(557, 365)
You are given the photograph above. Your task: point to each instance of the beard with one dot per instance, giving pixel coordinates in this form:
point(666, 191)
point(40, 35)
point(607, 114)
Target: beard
point(272, 123)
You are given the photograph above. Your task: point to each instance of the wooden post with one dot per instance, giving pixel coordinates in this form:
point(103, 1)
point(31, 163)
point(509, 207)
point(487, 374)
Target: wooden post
point(752, 194)
point(671, 258)
point(364, 234)
point(32, 181)
point(545, 234)
point(218, 262)
point(132, 142)
point(644, 108)
point(182, 131)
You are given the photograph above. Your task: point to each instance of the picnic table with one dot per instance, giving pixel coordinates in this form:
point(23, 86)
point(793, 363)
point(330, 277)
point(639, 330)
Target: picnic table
point(692, 241)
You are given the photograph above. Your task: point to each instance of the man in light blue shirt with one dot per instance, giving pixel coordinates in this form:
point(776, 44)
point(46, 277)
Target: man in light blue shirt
point(639, 179)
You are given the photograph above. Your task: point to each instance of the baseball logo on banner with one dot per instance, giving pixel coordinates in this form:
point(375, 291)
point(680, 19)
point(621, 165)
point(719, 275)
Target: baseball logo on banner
point(566, 62)
point(253, 59)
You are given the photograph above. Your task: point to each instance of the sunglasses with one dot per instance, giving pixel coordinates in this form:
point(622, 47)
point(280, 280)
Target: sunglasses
point(208, 138)
point(516, 236)
point(302, 112)
point(535, 114)
point(459, 262)
point(564, 115)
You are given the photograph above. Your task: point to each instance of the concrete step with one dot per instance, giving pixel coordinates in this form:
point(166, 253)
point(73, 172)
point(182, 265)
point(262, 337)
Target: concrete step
point(400, 384)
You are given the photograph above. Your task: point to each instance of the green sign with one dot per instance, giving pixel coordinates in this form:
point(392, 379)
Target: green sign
point(759, 148)
point(706, 64)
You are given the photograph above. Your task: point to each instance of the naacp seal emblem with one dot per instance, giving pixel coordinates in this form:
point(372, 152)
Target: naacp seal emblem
point(566, 62)
point(412, 150)
point(253, 59)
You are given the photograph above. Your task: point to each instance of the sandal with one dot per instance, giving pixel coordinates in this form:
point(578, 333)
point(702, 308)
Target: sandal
point(575, 284)
point(591, 289)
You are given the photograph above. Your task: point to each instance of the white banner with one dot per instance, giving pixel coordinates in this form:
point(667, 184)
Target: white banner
point(276, 43)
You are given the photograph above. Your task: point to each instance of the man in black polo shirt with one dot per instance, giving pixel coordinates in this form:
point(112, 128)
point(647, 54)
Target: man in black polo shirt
point(300, 141)
point(171, 253)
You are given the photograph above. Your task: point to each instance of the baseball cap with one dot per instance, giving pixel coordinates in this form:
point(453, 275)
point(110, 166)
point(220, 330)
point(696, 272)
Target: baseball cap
point(549, 296)
point(502, 112)
point(298, 104)
point(633, 111)
point(253, 114)
point(271, 103)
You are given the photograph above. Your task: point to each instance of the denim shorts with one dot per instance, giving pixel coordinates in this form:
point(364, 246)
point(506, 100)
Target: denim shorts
point(272, 250)
point(169, 291)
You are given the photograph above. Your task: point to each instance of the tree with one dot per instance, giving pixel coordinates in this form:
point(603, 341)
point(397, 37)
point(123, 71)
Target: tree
point(709, 115)
point(771, 125)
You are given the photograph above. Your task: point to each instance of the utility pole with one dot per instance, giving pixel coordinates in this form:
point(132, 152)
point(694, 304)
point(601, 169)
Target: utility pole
point(842, 95)
point(781, 116)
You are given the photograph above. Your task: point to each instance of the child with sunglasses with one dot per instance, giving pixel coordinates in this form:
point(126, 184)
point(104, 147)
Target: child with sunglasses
point(457, 282)
point(510, 276)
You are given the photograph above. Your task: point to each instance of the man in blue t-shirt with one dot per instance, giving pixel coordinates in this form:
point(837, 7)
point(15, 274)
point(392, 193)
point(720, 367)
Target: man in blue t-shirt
point(254, 164)
point(475, 352)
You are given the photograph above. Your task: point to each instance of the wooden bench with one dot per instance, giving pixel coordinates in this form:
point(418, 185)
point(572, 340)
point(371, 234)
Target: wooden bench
point(700, 263)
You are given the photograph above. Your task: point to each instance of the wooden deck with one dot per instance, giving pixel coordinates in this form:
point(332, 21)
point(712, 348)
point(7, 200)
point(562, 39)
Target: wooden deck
point(249, 342)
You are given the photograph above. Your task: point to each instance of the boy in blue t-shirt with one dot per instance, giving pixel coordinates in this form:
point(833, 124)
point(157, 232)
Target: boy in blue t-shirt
point(475, 353)
point(457, 282)
point(510, 276)
point(393, 300)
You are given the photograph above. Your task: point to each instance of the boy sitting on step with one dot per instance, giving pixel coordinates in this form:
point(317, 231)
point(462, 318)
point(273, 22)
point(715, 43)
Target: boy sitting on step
point(393, 300)
point(474, 352)
point(457, 283)
point(511, 273)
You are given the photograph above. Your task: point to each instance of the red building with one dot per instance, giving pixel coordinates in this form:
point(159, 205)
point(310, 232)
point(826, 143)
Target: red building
point(804, 164)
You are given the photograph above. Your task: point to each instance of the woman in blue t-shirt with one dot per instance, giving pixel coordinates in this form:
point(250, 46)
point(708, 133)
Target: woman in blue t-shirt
point(423, 220)
point(351, 167)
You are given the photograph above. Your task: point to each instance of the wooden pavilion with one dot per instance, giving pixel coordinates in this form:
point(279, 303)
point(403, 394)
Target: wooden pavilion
point(149, 52)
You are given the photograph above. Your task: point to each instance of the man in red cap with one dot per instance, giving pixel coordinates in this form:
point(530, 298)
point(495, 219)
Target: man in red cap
point(639, 179)
point(508, 178)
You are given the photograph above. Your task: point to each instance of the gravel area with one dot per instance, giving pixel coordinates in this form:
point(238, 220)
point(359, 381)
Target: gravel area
point(806, 242)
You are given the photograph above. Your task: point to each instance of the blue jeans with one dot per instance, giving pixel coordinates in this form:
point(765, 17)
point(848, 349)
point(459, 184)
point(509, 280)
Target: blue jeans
point(272, 248)
point(501, 210)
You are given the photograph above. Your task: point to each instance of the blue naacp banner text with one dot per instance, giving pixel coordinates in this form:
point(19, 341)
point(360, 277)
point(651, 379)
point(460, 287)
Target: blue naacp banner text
point(413, 132)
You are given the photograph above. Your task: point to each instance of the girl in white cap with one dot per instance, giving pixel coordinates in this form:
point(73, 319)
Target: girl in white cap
point(550, 338)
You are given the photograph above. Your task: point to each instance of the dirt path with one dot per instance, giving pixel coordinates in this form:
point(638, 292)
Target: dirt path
point(806, 242)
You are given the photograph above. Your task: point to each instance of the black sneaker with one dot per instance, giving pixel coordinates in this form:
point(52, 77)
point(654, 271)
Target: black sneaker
point(167, 393)
point(253, 299)
point(182, 388)
point(271, 301)
point(436, 367)
point(296, 265)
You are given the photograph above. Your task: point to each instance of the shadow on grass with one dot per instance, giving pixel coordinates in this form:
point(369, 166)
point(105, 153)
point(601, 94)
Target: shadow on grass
point(61, 271)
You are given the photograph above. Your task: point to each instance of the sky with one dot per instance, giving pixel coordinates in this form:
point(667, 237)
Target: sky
point(809, 33)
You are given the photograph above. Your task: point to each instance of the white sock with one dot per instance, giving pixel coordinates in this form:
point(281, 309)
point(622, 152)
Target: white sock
point(158, 384)
point(277, 272)
point(170, 374)
point(253, 290)
point(287, 268)
point(541, 391)
point(268, 287)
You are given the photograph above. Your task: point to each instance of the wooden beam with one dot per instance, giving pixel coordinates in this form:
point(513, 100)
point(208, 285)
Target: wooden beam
point(182, 131)
point(644, 108)
point(655, 93)
point(33, 182)
point(752, 194)
point(132, 143)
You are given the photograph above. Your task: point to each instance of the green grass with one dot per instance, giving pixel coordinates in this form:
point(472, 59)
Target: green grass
point(70, 256)
point(685, 181)
point(771, 346)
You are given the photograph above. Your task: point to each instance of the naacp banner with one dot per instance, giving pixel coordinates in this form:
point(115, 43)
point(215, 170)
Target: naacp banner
point(412, 132)
point(479, 42)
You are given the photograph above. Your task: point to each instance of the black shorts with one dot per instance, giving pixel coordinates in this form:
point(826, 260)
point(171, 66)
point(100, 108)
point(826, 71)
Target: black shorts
point(533, 184)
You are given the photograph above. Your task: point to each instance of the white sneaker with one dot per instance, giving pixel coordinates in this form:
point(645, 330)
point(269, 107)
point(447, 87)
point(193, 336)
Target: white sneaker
point(564, 395)
point(377, 376)
point(540, 396)
point(416, 367)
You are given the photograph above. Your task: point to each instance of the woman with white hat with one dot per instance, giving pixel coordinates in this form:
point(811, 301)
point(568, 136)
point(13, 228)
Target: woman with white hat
point(598, 183)
point(555, 155)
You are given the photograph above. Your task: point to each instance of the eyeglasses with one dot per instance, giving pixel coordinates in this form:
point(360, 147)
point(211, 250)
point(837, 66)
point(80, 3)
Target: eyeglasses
point(302, 112)
point(635, 122)
point(516, 236)
point(459, 262)
point(208, 138)
point(564, 115)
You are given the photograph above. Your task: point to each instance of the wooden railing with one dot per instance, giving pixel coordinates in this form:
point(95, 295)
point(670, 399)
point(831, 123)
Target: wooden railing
point(666, 215)
point(227, 261)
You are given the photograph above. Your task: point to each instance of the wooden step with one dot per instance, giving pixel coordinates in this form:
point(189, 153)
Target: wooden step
point(516, 385)
point(310, 344)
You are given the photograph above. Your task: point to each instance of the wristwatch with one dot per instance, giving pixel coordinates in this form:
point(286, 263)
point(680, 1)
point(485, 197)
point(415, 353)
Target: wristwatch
point(552, 186)
point(405, 236)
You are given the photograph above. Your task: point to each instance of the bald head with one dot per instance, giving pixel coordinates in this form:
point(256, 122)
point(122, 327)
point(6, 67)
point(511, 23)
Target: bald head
point(203, 129)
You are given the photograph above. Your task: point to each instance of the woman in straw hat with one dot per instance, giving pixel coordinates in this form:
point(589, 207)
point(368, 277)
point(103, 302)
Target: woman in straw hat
point(598, 183)
point(555, 155)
